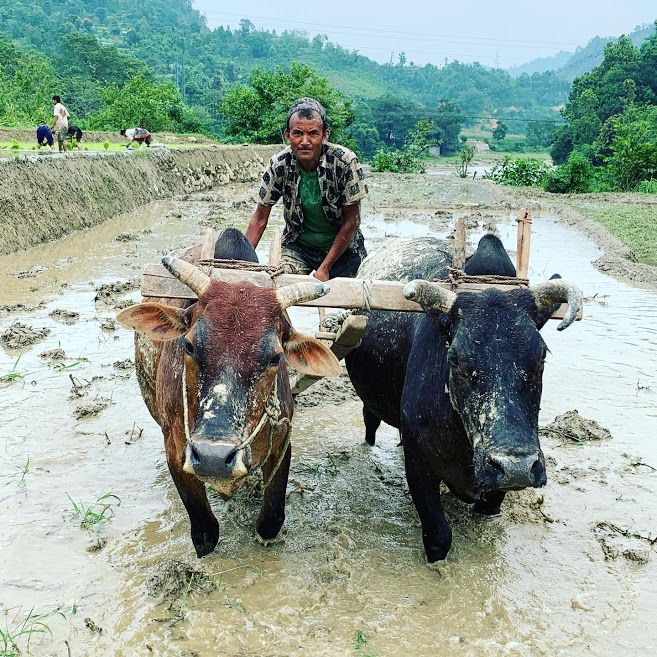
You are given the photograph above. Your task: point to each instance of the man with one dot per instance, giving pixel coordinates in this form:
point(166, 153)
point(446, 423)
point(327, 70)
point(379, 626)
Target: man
point(321, 185)
point(72, 133)
point(139, 135)
point(60, 122)
point(44, 136)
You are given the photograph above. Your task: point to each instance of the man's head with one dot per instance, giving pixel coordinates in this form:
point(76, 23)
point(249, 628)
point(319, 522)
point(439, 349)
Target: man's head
point(56, 99)
point(122, 132)
point(307, 131)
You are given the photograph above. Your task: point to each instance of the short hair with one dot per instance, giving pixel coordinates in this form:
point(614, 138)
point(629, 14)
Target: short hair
point(57, 99)
point(122, 132)
point(306, 108)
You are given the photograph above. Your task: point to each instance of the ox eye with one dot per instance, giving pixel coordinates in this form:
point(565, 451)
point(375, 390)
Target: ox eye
point(452, 358)
point(276, 359)
point(188, 347)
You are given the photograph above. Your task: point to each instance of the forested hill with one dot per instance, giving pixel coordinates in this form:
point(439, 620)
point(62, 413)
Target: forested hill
point(173, 39)
point(571, 65)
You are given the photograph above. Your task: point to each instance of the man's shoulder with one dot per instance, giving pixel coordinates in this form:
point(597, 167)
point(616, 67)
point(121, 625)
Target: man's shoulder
point(283, 156)
point(340, 153)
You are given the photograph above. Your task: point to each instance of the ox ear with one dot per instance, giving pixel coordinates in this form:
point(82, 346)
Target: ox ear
point(309, 356)
point(155, 320)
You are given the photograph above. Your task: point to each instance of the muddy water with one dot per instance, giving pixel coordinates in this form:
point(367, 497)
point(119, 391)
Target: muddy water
point(348, 576)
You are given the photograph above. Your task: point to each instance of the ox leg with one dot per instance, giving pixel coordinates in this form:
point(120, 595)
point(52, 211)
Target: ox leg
point(372, 423)
point(272, 512)
point(425, 491)
point(490, 502)
point(205, 528)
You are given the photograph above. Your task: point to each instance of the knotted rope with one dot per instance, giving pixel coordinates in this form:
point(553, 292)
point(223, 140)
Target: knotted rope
point(245, 265)
point(272, 415)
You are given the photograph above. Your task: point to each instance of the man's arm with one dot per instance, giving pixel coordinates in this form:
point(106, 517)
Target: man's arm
point(258, 224)
point(350, 224)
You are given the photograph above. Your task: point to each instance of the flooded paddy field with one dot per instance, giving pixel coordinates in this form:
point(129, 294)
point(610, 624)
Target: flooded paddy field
point(565, 570)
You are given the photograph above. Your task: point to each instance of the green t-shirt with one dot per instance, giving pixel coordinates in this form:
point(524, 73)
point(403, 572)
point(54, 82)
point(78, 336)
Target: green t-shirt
point(318, 231)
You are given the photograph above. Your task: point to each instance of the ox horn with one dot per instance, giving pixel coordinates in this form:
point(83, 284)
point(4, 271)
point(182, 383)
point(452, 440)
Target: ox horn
point(187, 273)
point(291, 295)
point(429, 295)
point(559, 291)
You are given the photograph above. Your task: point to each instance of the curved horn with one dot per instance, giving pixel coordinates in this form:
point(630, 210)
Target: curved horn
point(429, 295)
point(291, 295)
point(559, 291)
point(187, 273)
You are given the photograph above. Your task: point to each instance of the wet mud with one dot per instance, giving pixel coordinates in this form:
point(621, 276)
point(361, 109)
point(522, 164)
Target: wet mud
point(568, 569)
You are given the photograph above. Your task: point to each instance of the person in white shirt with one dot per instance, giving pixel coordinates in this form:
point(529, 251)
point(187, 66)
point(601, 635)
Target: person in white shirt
point(60, 122)
point(136, 135)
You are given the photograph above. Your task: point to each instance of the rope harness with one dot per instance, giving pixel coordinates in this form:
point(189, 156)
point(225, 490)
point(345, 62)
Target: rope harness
point(272, 415)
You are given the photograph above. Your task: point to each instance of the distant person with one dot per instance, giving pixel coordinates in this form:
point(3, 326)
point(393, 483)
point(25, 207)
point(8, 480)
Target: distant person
point(60, 122)
point(139, 135)
point(44, 136)
point(72, 133)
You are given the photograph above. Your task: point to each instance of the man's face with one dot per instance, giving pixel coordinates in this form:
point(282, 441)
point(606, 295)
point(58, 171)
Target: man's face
point(306, 137)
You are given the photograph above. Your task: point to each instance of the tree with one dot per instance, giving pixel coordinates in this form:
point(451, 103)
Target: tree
point(156, 106)
point(500, 131)
point(447, 120)
point(258, 112)
point(634, 148)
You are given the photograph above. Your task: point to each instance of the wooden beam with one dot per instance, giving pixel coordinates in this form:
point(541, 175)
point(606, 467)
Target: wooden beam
point(344, 292)
point(348, 337)
point(523, 243)
point(275, 248)
point(207, 248)
point(458, 258)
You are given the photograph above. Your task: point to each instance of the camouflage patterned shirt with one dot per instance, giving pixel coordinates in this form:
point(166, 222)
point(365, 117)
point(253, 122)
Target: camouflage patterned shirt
point(341, 181)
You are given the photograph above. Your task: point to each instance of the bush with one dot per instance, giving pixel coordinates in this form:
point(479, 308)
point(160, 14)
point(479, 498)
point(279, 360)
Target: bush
point(408, 159)
point(397, 161)
point(576, 176)
point(648, 187)
point(519, 172)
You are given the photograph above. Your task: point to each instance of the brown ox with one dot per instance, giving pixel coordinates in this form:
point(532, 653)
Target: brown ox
point(228, 353)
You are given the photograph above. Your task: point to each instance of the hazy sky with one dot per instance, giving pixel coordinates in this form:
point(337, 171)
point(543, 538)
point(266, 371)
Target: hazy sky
point(503, 32)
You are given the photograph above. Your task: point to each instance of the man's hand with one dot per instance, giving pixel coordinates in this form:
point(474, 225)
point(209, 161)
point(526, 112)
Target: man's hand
point(321, 274)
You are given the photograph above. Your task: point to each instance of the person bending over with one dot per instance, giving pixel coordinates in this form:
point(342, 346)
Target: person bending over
point(136, 135)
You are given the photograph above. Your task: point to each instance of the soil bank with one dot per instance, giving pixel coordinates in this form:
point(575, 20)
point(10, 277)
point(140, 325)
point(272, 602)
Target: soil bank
point(42, 199)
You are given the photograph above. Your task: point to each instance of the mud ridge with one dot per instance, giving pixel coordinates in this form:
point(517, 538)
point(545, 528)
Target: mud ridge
point(43, 199)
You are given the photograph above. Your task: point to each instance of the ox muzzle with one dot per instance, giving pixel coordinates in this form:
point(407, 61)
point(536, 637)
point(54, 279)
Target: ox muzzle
point(221, 463)
point(495, 470)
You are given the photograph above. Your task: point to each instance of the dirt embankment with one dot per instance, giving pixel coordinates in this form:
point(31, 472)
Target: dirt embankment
point(42, 199)
point(21, 134)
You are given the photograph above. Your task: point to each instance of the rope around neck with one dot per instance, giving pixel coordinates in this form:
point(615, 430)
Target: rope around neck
point(272, 415)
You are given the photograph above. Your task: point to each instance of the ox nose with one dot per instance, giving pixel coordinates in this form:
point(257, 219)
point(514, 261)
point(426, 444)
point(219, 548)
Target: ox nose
point(506, 472)
point(217, 460)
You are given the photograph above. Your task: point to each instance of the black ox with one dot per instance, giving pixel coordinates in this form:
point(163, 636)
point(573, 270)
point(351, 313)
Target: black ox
point(462, 381)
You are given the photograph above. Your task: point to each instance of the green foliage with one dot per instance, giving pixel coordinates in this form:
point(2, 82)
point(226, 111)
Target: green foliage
point(575, 176)
point(27, 80)
point(408, 159)
point(633, 155)
point(19, 628)
point(90, 45)
point(96, 513)
point(466, 154)
point(153, 105)
point(519, 172)
point(500, 131)
point(648, 187)
point(258, 112)
point(448, 119)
